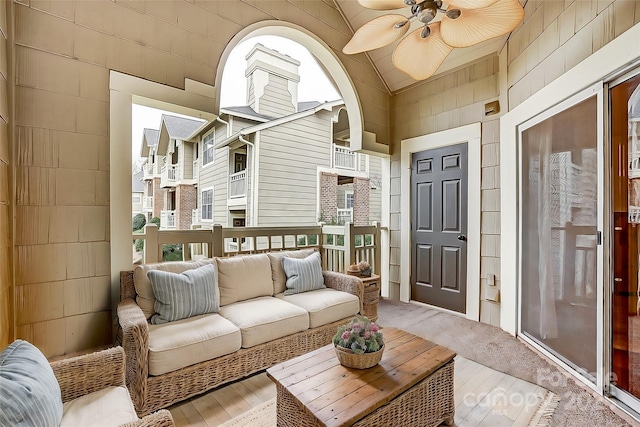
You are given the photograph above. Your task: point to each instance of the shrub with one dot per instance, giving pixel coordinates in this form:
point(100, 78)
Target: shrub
point(155, 220)
point(139, 221)
point(172, 252)
point(139, 245)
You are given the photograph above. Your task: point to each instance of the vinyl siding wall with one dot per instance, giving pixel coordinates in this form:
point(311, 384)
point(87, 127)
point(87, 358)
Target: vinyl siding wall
point(288, 177)
point(276, 100)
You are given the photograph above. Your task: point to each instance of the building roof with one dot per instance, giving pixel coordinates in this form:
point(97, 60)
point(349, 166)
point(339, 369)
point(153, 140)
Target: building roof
point(150, 136)
point(137, 185)
point(249, 113)
point(149, 139)
point(310, 108)
point(180, 127)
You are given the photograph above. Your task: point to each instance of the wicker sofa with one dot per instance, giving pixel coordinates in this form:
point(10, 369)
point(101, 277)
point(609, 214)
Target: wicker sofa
point(172, 362)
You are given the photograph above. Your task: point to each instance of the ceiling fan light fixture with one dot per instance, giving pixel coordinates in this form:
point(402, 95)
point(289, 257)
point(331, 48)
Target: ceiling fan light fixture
point(377, 33)
point(420, 57)
point(474, 26)
point(453, 13)
point(426, 11)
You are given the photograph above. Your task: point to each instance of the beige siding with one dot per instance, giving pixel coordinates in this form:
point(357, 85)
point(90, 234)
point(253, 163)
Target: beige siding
point(185, 160)
point(214, 175)
point(288, 177)
point(446, 102)
point(276, 100)
point(557, 35)
point(375, 194)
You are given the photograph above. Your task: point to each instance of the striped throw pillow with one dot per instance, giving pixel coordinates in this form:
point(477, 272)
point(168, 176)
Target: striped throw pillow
point(29, 391)
point(303, 274)
point(183, 295)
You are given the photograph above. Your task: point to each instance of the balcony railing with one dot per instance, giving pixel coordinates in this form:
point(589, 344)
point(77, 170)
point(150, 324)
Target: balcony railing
point(167, 219)
point(147, 204)
point(238, 184)
point(344, 215)
point(168, 176)
point(339, 245)
point(148, 170)
point(344, 158)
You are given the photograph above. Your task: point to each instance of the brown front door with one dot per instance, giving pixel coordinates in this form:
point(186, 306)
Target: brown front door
point(439, 227)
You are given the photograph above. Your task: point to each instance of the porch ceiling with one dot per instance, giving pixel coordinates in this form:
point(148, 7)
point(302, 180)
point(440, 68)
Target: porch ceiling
point(396, 80)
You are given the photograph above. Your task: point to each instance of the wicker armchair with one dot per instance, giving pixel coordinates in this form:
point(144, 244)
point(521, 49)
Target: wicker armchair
point(82, 375)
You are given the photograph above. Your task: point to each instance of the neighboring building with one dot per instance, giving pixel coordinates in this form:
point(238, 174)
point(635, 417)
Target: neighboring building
point(137, 193)
point(278, 162)
point(171, 171)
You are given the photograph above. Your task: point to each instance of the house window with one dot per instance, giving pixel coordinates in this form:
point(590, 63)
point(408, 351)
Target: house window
point(136, 198)
point(207, 148)
point(348, 201)
point(207, 204)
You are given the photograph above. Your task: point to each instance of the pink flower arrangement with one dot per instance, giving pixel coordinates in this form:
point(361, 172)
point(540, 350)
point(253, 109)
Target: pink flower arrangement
point(360, 335)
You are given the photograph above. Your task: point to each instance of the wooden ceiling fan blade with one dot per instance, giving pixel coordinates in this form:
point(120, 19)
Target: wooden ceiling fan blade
point(377, 33)
point(469, 4)
point(474, 26)
point(420, 57)
point(382, 4)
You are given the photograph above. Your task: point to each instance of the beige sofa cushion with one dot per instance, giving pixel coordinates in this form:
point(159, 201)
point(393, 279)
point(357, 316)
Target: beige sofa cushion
point(145, 298)
point(325, 305)
point(265, 319)
point(185, 342)
point(110, 406)
point(244, 277)
point(277, 271)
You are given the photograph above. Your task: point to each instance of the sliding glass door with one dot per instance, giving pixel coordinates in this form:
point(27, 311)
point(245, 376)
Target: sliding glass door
point(624, 106)
point(559, 222)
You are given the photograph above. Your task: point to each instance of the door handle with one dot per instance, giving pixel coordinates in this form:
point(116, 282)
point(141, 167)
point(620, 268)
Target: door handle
point(462, 238)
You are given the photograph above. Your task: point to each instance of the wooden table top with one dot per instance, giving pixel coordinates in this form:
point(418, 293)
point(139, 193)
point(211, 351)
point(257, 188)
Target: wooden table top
point(338, 396)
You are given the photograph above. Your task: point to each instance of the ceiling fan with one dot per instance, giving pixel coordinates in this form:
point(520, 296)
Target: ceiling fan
point(464, 23)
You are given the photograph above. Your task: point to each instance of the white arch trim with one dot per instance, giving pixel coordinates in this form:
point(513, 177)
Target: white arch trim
point(329, 61)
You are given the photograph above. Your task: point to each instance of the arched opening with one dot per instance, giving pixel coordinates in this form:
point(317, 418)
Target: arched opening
point(326, 58)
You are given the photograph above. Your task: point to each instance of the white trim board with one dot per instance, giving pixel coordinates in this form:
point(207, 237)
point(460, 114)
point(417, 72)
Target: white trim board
point(471, 134)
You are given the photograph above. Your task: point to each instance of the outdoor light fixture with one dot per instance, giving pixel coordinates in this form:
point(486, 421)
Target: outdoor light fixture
point(464, 23)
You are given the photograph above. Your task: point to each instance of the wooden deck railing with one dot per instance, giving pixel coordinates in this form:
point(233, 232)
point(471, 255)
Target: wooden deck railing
point(339, 245)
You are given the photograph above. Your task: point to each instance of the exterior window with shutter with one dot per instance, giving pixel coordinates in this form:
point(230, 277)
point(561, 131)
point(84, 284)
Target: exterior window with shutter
point(207, 148)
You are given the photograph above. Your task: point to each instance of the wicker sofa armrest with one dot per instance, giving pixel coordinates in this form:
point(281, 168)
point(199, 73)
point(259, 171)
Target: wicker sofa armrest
point(162, 418)
point(135, 341)
point(81, 375)
point(344, 282)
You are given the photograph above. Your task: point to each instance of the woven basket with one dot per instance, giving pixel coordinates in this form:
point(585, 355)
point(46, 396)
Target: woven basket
point(358, 361)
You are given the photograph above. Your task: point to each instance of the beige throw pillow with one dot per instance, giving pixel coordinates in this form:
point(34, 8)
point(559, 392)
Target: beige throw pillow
point(244, 277)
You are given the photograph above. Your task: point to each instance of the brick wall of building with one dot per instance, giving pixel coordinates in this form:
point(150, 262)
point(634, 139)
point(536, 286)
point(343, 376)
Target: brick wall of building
point(186, 196)
point(328, 196)
point(361, 199)
point(158, 197)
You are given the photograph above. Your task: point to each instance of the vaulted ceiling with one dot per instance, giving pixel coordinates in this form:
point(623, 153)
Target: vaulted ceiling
point(357, 15)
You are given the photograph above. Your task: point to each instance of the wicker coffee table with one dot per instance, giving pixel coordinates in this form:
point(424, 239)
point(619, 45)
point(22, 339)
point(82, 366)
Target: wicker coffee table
point(411, 386)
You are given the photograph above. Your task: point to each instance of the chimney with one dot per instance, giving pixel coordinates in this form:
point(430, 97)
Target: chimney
point(272, 82)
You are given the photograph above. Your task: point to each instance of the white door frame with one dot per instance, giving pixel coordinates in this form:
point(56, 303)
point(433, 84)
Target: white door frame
point(471, 134)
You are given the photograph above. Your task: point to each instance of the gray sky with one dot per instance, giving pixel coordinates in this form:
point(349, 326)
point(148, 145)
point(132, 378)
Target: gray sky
point(314, 84)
